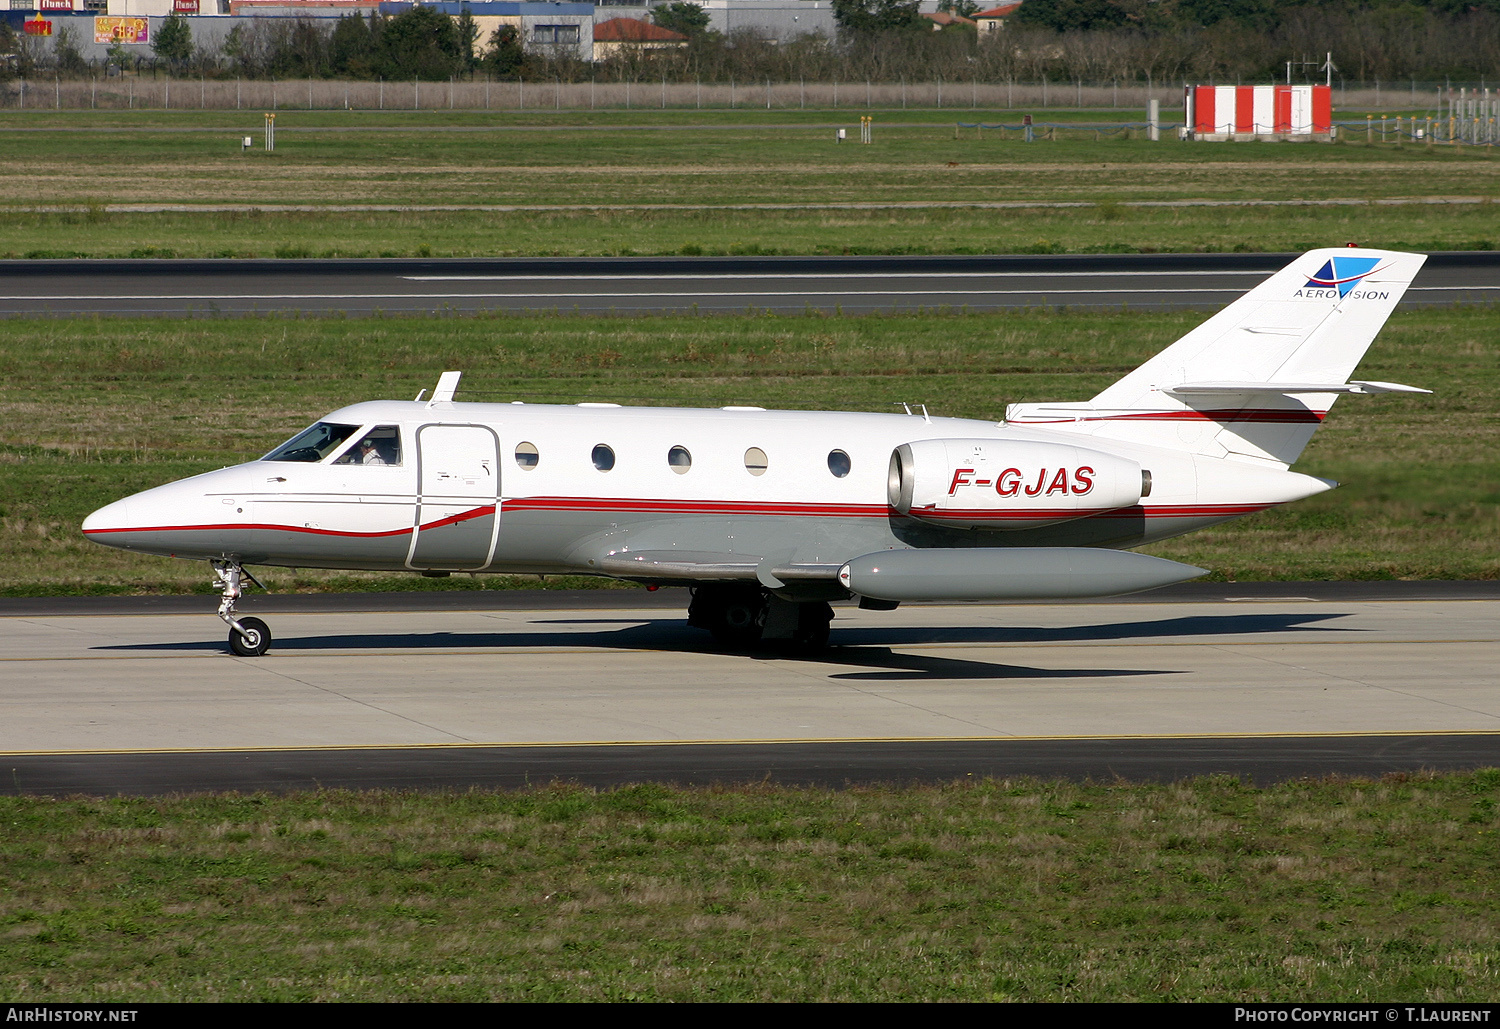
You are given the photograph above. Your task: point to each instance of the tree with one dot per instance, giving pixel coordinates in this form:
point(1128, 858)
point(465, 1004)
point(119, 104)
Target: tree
point(468, 31)
point(69, 58)
point(679, 16)
point(1063, 15)
point(351, 48)
point(420, 43)
point(10, 52)
point(878, 15)
point(119, 56)
point(174, 40)
point(962, 8)
point(504, 55)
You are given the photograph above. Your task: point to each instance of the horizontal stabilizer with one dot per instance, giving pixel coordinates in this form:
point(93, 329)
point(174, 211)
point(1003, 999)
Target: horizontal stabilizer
point(1189, 389)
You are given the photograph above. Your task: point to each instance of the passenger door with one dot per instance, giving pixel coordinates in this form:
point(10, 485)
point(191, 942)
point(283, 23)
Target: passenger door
point(458, 495)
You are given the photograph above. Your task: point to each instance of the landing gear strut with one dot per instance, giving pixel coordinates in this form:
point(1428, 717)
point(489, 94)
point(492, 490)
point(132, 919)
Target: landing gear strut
point(248, 637)
point(740, 616)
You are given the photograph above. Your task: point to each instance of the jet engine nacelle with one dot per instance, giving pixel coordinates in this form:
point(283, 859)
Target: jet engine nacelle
point(1005, 484)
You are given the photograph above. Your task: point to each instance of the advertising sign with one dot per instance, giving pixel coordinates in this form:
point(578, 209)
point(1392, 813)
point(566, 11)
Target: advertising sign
point(54, 5)
point(184, 6)
point(37, 27)
point(121, 30)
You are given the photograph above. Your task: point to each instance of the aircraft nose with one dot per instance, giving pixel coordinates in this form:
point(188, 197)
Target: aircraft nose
point(110, 517)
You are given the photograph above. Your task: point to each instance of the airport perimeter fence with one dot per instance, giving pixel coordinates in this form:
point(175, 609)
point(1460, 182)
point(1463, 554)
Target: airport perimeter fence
point(1473, 122)
point(163, 92)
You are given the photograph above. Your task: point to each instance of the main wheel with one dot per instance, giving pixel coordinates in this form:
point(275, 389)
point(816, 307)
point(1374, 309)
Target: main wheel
point(253, 642)
point(735, 615)
point(812, 626)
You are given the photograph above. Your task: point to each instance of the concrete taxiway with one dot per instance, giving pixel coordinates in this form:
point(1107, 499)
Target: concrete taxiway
point(555, 678)
point(668, 284)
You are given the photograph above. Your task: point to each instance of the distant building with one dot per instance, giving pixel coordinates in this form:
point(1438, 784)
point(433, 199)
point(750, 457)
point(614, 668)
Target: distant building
point(562, 29)
point(119, 8)
point(302, 8)
point(619, 35)
point(993, 20)
point(942, 20)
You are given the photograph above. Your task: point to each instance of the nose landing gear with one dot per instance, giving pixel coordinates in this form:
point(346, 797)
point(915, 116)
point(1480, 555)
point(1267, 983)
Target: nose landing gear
point(248, 637)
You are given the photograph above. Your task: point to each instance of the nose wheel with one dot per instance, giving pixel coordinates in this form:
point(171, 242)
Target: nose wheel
point(248, 637)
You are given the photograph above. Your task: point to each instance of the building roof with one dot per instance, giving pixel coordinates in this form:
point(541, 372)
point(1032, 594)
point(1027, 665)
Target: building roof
point(944, 18)
point(629, 30)
point(1003, 11)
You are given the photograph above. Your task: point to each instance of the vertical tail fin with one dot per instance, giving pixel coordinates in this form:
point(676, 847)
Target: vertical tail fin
point(1256, 379)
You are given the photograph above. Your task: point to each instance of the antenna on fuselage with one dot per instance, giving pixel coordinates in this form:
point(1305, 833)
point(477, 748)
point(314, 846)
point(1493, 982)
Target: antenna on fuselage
point(447, 385)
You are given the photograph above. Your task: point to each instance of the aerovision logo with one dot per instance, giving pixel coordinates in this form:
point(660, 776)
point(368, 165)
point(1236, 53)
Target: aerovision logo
point(1338, 278)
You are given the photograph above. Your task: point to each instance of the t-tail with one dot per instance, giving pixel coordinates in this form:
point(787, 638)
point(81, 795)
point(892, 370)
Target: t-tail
point(1256, 379)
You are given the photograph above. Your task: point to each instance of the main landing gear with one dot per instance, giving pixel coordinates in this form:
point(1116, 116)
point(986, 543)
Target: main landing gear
point(740, 616)
point(248, 637)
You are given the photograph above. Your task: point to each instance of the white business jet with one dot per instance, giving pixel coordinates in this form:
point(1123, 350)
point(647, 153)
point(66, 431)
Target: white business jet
point(769, 515)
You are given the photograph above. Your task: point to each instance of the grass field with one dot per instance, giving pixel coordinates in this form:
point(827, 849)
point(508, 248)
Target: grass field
point(993, 890)
point(1099, 228)
point(674, 182)
point(95, 409)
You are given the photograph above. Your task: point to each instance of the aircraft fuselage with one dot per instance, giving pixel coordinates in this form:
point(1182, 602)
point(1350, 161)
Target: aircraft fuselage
point(589, 489)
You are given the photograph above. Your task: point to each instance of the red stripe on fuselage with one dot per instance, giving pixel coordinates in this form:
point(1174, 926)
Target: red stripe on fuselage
point(478, 512)
point(728, 507)
point(612, 505)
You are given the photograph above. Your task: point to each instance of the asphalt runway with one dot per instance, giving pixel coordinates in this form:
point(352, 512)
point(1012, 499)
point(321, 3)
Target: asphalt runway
point(709, 284)
point(1284, 681)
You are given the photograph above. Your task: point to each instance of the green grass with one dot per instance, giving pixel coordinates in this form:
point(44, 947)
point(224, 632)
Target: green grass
point(1206, 890)
point(91, 410)
point(1099, 228)
point(579, 163)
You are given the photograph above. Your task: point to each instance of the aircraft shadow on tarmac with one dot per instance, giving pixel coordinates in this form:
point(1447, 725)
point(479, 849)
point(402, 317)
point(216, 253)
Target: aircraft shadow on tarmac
point(866, 648)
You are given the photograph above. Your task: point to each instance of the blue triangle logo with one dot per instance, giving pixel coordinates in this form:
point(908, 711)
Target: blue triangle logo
point(1343, 273)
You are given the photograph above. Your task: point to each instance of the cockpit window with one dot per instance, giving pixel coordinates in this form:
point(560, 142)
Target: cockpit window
point(314, 444)
point(379, 448)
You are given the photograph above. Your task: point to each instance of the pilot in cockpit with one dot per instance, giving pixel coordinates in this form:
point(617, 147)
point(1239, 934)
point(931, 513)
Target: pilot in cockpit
point(368, 454)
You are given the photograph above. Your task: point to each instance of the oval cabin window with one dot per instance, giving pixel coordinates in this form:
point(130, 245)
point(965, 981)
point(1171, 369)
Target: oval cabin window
point(755, 461)
point(680, 460)
point(838, 463)
point(604, 458)
point(527, 456)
